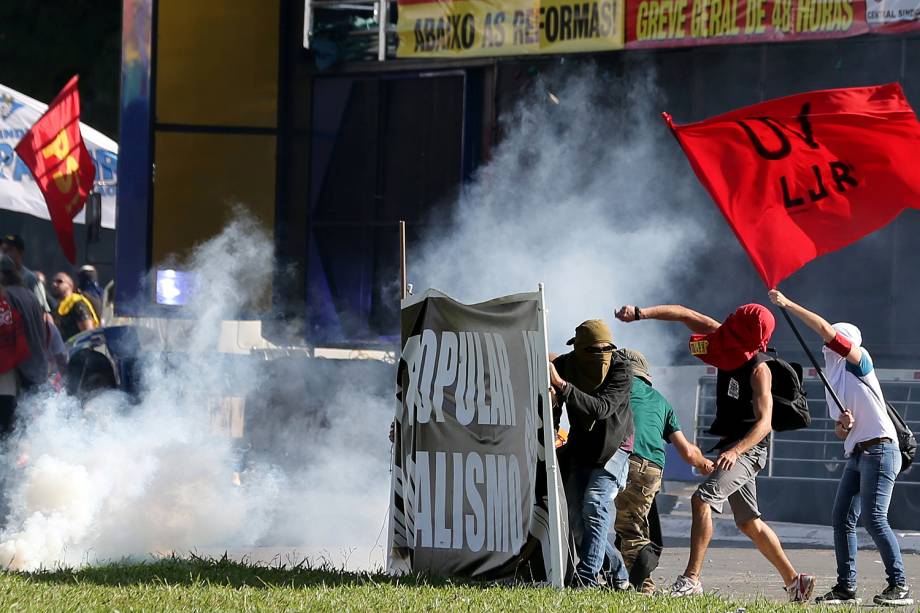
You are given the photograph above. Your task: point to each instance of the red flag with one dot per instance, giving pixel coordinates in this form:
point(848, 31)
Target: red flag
point(802, 176)
point(53, 150)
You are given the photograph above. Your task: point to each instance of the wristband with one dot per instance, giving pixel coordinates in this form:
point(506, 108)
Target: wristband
point(638, 313)
point(840, 345)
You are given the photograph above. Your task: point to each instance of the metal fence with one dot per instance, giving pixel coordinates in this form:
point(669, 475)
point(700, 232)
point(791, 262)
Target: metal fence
point(814, 452)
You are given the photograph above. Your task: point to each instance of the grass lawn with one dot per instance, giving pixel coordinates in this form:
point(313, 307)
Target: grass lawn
point(220, 585)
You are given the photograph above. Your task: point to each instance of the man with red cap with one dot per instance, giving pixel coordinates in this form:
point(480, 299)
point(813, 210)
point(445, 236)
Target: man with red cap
point(744, 410)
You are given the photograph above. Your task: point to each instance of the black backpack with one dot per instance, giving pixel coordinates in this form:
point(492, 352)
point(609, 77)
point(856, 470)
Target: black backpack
point(790, 408)
point(907, 443)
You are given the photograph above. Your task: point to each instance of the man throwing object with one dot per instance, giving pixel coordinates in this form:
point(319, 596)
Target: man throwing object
point(744, 410)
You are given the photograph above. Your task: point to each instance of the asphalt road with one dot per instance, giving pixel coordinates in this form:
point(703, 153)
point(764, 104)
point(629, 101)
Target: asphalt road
point(740, 571)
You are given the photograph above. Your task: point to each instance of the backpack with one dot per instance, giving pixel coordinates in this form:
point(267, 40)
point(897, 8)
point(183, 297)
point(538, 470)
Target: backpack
point(790, 407)
point(907, 442)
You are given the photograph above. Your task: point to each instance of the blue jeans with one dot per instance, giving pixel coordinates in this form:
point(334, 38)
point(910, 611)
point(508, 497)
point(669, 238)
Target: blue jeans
point(590, 492)
point(865, 489)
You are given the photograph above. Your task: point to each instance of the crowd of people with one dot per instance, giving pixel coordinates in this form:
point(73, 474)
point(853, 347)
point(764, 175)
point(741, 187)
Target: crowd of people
point(614, 455)
point(35, 322)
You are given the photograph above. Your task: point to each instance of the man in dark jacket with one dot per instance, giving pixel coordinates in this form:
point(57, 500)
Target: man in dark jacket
point(594, 384)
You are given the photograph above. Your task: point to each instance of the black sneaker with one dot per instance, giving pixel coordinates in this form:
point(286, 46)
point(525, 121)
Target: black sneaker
point(894, 596)
point(840, 594)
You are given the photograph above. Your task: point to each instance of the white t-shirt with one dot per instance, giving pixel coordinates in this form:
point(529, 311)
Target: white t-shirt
point(862, 395)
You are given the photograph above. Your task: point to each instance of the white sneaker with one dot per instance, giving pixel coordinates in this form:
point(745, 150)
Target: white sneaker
point(801, 588)
point(685, 586)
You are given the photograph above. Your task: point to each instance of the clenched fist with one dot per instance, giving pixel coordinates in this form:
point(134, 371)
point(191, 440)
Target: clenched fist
point(626, 313)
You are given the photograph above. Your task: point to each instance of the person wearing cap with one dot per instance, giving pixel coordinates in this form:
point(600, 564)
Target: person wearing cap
point(593, 383)
point(655, 425)
point(744, 410)
point(873, 458)
point(13, 246)
point(74, 312)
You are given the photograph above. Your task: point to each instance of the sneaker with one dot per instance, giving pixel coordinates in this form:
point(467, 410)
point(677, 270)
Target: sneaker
point(839, 594)
point(801, 588)
point(894, 596)
point(685, 586)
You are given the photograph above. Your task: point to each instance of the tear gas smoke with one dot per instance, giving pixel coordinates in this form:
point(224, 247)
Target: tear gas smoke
point(572, 197)
point(580, 195)
point(119, 478)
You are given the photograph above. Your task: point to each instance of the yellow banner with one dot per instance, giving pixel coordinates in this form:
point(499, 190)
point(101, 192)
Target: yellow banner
point(469, 28)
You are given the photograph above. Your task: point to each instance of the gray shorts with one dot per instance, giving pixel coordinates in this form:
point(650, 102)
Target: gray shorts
point(736, 485)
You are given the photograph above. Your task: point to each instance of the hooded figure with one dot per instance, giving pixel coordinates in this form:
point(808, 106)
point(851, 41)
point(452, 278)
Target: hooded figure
point(874, 458)
point(594, 385)
point(741, 336)
point(742, 423)
point(835, 365)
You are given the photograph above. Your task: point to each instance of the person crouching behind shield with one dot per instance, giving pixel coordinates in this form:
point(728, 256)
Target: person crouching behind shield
point(744, 411)
point(594, 383)
point(873, 458)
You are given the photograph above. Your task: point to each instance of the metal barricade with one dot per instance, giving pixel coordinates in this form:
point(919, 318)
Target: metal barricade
point(813, 453)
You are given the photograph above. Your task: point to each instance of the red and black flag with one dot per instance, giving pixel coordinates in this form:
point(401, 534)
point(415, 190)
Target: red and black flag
point(802, 176)
point(53, 150)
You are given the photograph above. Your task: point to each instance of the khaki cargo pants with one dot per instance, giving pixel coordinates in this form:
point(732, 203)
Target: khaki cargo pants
point(633, 506)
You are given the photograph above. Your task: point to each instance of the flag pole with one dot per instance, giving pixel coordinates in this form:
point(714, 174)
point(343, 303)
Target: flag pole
point(814, 362)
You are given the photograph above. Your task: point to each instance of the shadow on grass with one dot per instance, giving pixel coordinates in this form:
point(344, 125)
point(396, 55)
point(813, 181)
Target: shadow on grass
point(224, 571)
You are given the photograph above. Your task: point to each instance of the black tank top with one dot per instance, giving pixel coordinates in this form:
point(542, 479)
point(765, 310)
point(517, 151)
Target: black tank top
point(735, 403)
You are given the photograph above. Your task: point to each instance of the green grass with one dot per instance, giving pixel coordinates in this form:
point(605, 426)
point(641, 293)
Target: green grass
point(174, 584)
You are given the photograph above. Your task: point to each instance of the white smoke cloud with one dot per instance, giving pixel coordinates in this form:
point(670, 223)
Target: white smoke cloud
point(115, 478)
point(119, 478)
point(572, 197)
point(580, 195)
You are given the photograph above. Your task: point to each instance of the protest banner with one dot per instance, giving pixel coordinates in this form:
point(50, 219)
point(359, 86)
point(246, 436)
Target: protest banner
point(486, 28)
point(471, 464)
